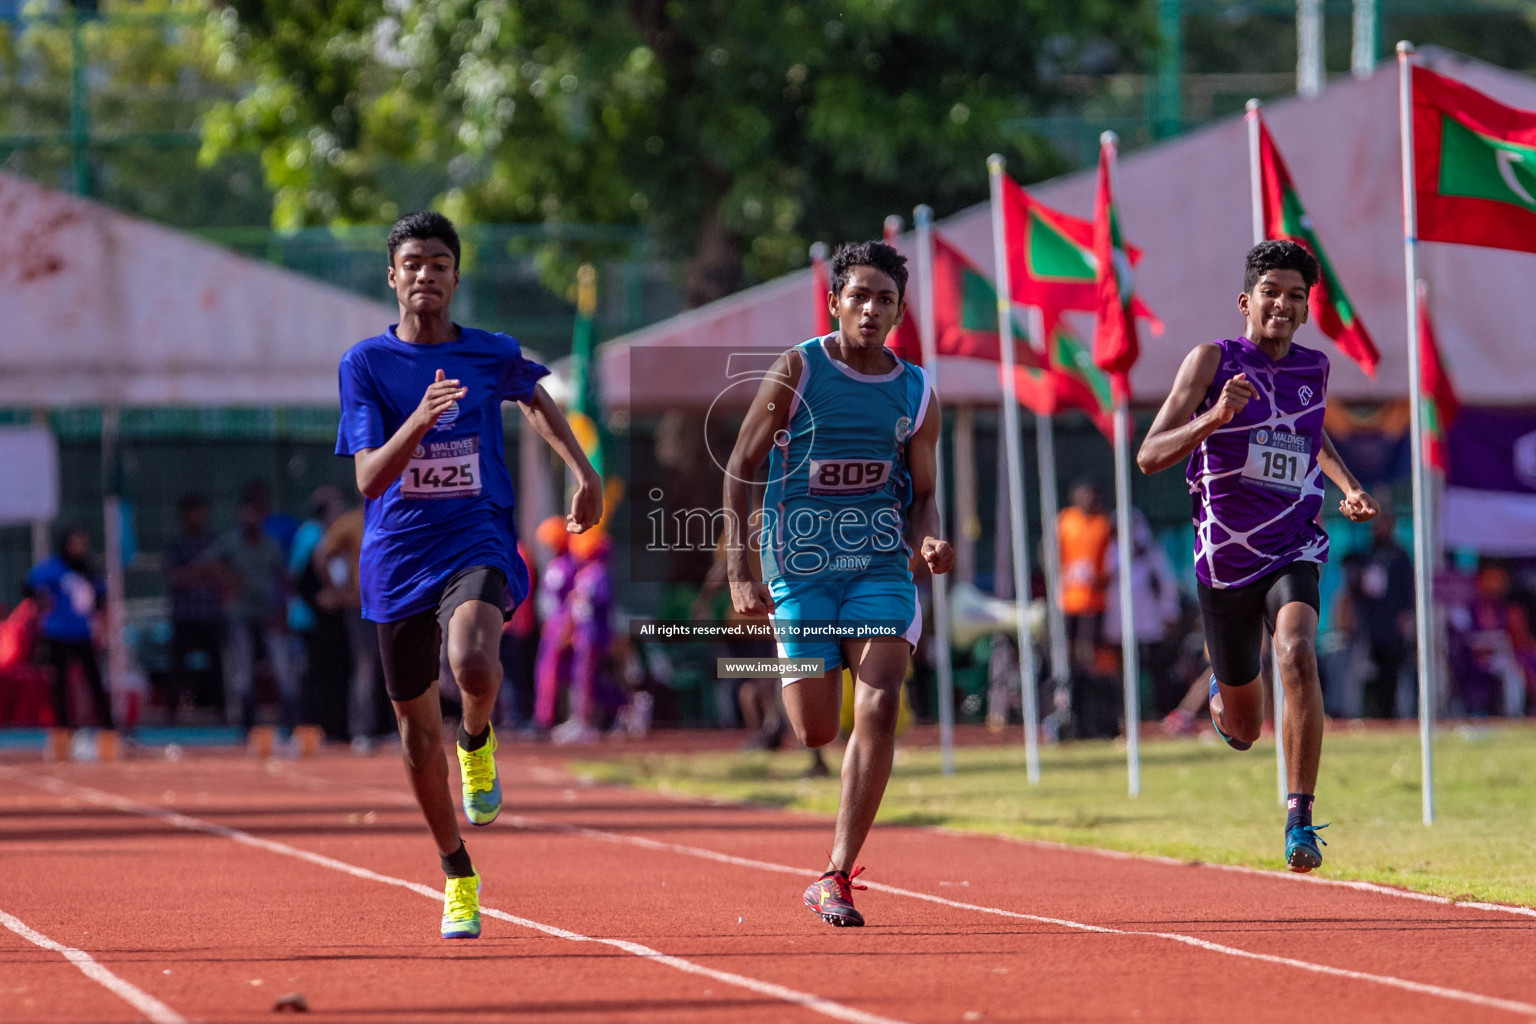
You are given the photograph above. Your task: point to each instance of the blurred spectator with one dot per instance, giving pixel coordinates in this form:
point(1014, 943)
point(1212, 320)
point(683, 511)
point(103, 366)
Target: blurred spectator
point(280, 526)
point(1155, 600)
point(318, 630)
point(1491, 650)
point(553, 668)
point(519, 651)
point(23, 684)
point(197, 614)
point(70, 593)
point(594, 695)
point(1083, 531)
point(335, 560)
point(756, 699)
point(255, 584)
point(1379, 583)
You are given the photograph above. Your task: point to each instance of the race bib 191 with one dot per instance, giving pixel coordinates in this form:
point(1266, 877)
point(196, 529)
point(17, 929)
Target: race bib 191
point(1277, 459)
point(443, 469)
point(848, 477)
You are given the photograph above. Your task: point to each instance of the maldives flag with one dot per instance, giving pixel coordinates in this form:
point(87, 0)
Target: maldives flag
point(965, 310)
point(1284, 217)
point(904, 339)
point(1079, 383)
point(821, 286)
point(1474, 166)
point(1440, 406)
point(1050, 256)
point(1069, 381)
point(1115, 347)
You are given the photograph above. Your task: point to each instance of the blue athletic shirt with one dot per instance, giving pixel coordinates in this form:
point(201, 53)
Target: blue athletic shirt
point(838, 483)
point(72, 599)
point(453, 505)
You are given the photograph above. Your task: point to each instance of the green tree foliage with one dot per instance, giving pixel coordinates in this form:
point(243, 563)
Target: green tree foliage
point(132, 81)
point(737, 132)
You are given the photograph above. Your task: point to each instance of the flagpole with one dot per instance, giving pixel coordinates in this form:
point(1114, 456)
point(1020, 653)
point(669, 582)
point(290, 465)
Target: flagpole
point(1050, 507)
point(1423, 551)
point(922, 218)
point(1124, 548)
point(1027, 680)
point(1277, 701)
point(1255, 176)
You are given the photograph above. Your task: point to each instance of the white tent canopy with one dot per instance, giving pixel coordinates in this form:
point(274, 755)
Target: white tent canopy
point(1186, 204)
point(100, 308)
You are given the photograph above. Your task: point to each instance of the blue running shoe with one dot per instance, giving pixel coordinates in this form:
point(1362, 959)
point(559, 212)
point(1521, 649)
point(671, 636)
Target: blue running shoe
point(1234, 744)
point(1301, 852)
point(482, 789)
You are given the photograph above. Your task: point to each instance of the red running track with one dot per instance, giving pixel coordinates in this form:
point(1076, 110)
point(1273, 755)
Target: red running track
point(204, 890)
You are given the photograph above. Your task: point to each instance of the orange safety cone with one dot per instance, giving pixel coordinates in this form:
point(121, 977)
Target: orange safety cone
point(307, 739)
point(59, 741)
point(259, 743)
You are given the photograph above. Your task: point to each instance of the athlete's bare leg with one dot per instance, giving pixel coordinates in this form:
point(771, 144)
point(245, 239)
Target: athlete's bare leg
point(1295, 639)
point(421, 741)
point(474, 656)
point(1239, 710)
point(878, 670)
point(813, 706)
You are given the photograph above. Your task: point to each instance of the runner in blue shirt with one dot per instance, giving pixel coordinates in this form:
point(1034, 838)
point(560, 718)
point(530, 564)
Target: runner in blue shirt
point(850, 433)
point(421, 419)
point(71, 594)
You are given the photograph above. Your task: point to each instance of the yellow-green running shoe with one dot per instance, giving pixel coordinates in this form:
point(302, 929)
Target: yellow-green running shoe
point(482, 790)
point(461, 908)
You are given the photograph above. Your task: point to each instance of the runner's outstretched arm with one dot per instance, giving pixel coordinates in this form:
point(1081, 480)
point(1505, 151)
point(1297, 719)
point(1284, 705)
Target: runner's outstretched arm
point(587, 504)
point(1174, 434)
point(923, 518)
point(1357, 505)
point(766, 418)
point(377, 468)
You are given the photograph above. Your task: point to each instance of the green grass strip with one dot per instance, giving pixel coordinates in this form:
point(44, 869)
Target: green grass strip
point(1199, 801)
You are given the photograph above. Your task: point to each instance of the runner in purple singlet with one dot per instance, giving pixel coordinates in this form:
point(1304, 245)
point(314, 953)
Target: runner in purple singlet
point(1248, 412)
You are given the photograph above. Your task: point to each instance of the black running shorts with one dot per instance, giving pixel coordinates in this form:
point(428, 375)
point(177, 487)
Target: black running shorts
point(411, 647)
point(1234, 617)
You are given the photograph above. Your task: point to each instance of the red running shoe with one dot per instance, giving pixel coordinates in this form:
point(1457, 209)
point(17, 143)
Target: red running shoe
point(830, 898)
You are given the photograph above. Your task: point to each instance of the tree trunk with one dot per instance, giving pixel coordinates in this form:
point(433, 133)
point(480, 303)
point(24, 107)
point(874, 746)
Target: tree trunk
point(715, 269)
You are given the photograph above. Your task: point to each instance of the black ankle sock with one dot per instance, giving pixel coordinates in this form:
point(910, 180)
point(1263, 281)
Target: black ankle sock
point(469, 742)
point(457, 865)
point(1298, 809)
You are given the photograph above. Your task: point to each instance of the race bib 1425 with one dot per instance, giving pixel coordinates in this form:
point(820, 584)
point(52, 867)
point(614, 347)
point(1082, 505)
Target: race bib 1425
point(443, 469)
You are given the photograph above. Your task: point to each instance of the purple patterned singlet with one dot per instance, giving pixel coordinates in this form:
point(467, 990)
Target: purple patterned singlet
point(1255, 483)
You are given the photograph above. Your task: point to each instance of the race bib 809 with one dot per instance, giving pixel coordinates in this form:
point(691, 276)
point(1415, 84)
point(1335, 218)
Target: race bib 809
point(443, 469)
point(848, 476)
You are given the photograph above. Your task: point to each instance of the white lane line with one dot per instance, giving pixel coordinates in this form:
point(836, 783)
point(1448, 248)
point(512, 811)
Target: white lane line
point(555, 778)
point(805, 1000)
point(153, 1009)
point(534, 824)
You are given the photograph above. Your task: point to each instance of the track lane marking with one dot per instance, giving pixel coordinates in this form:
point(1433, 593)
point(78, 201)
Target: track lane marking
point(805, 1000)
point(152, 1008)
point(535, 825)
point(553, 777)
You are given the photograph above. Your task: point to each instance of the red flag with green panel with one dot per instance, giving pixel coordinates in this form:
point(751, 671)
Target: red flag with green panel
point(821, 286)
point(1439, 404)
point(1474, 166)
point(965, 310)
point(1115, 346)
point(1079, 383)
point(1050, 257)
point(1284, 217)
point(904, 339)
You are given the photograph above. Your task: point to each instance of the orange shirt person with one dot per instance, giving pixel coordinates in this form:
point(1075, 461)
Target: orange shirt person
point(1083, 533)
